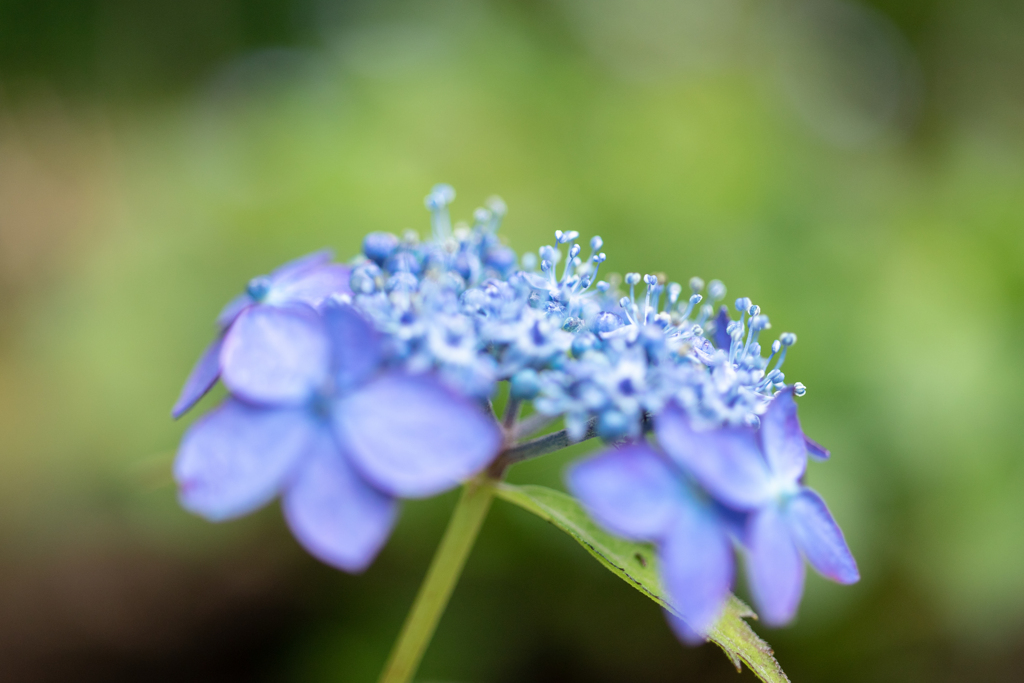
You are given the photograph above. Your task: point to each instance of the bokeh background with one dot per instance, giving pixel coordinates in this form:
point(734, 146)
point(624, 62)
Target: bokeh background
point(857, 168)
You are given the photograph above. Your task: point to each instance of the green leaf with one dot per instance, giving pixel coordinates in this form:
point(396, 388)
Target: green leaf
point(635, 564)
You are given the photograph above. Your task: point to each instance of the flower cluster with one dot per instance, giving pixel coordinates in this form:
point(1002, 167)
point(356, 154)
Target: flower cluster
point(352, 386)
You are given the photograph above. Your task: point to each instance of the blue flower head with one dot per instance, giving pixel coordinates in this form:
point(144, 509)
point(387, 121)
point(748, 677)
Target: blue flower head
point(699, 492)
point(316, 417)
point(759, 472)
point(353, 386)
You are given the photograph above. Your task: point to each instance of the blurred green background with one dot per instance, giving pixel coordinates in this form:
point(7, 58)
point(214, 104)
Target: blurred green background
point(857, 168)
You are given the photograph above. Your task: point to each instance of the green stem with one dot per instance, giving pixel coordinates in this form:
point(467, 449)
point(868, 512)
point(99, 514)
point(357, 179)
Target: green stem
point(441, 578)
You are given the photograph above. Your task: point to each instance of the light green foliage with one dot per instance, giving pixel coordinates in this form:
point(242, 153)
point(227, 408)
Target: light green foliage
point(635, 563)
point(900, 264)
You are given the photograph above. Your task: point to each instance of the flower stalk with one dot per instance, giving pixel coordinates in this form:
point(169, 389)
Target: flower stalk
point(443, 574)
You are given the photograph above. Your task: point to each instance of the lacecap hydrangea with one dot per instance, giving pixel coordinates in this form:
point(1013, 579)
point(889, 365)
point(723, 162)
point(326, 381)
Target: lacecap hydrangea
point(352, 386)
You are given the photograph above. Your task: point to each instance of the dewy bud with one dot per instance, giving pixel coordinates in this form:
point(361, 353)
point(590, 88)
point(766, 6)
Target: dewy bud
point(525, 384)
point(378, 246)
point(497, 206)
point(674, 290)
point(716, 290)
point(259, 287)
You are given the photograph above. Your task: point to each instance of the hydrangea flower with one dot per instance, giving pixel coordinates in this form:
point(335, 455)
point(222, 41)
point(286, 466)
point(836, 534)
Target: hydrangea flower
point(759, 473)
point(354, 386)
point(703, 491)
point(315, 417)
point(306, 280)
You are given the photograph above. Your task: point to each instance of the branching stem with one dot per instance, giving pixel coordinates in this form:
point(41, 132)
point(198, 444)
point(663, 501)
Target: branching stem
point(512, 410)
point(543, 445)
point(531, 425)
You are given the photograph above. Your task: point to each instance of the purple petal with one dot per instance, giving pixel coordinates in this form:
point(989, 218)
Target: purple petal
point(275, 355)
point(411, 437)
point(782, 439)
point(291, 270)
point(233, 309)
point(817, 451)
point(726, 461)
point(722, 339)
point(334, 513)
point(774, 567)
point(820, 538)
point(632, 491)
point(313, 286)
point(355, 345)
point(202, 378)
point(697, 566)
point(235, 458)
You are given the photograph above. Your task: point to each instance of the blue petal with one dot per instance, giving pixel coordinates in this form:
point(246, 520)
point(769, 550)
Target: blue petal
point(232, 310)
point(820, 538)
point(722, 339)
point(782, 439)
point(312, 287)
point(411, 437)
point(774, 567)
point(697, 565)
point(726, 461)
point(334, 513)
point(202, 378)
point(632, 491)
point(275, 355)
point(817, 451)
point(295, 267)
point(355, 345)
point(235, 459)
